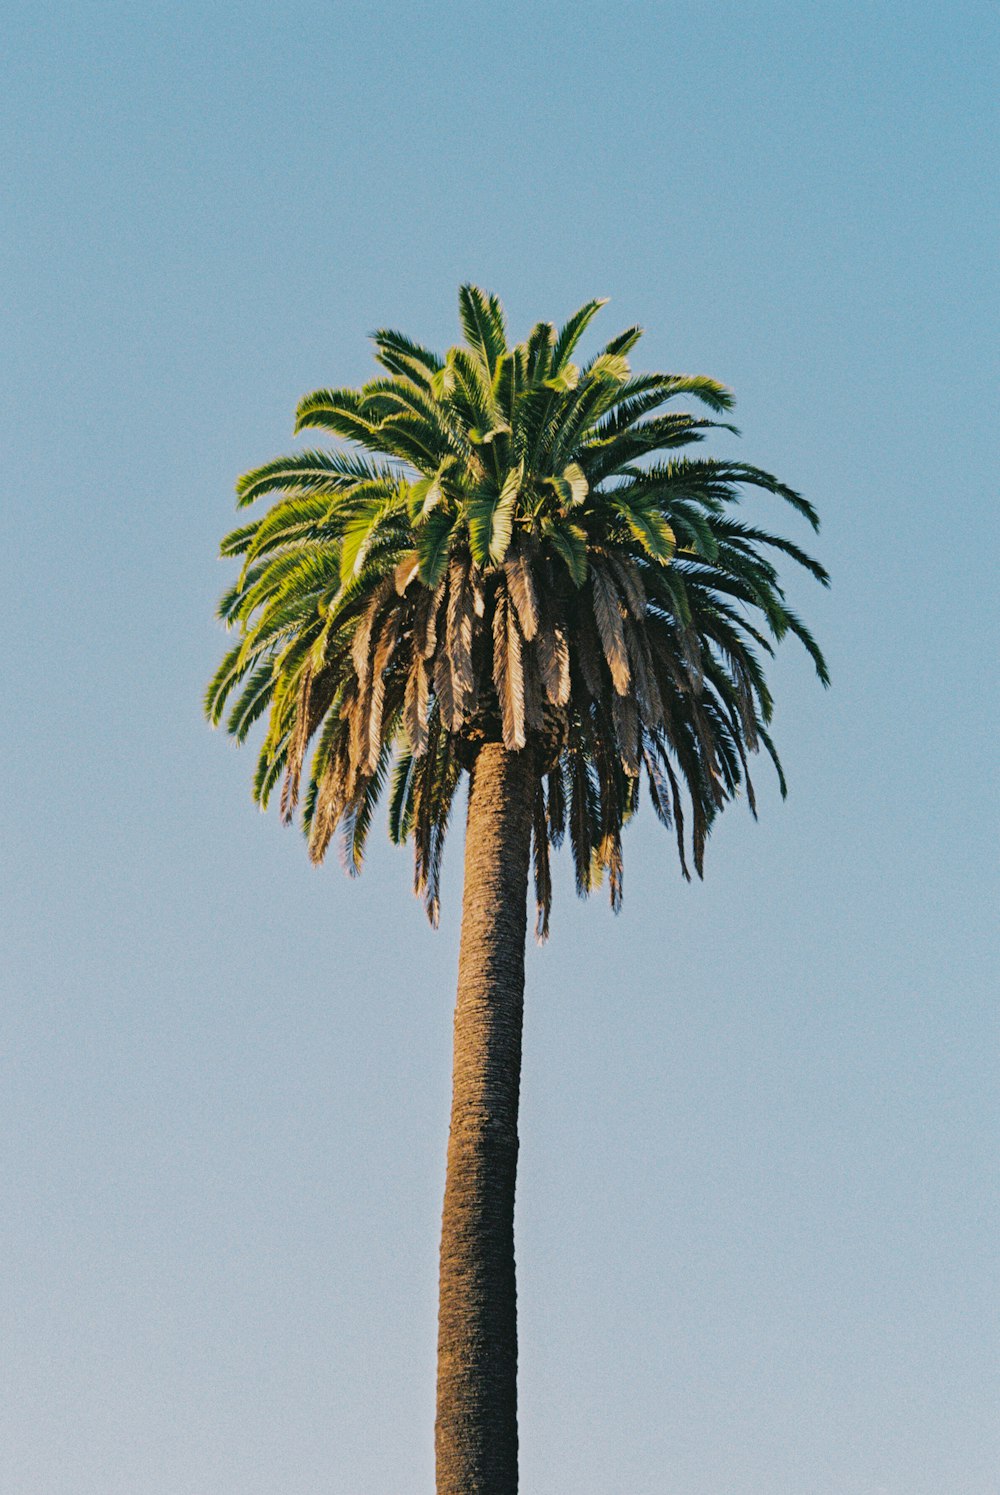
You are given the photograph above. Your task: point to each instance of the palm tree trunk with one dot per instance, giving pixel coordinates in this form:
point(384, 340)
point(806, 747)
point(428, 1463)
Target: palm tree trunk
point(476, 1430)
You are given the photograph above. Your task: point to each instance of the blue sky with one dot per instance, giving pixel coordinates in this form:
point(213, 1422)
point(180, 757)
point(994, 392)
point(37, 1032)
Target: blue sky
point(757, 1202)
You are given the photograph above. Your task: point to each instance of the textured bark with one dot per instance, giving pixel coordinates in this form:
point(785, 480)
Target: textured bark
point(476, 1431)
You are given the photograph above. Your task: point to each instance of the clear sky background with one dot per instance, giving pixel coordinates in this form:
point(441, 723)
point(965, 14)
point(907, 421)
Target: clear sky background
point(756, 1224)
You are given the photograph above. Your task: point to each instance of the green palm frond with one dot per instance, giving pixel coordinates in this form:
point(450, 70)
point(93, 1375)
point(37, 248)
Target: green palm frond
point(484, 325)
point(399, 355)
point(573, 331)
point(310, 472)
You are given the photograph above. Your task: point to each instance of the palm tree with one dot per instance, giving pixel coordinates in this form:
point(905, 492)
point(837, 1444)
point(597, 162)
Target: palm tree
point(510, 575)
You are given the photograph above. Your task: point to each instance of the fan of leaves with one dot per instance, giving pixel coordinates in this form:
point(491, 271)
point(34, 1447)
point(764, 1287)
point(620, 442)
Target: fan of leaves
point(509, 550)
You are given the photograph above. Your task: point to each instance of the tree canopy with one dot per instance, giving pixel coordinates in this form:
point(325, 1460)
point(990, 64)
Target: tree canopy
point(507, 545)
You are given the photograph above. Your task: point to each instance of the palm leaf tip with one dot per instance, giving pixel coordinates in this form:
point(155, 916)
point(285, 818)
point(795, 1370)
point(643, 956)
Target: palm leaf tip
point(711, 393)
point(625, 341)
point(483, 323)
point(574, 329)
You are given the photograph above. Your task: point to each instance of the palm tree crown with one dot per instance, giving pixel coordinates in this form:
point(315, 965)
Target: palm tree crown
point(514, 554)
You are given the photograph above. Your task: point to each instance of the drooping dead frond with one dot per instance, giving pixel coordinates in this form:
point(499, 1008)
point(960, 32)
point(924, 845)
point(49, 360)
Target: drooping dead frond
point(521, 587)
point(552, 652)
point(423, 780)
point(444, 690)
point(582, 822)
point(297, 745)
point(406, 572)
point(609, 858)
point(362, 643)
point(427, 625)
point(460, 617)
point(415, 704)
point(383, 654)
point(626, 719)
point(626, 573)
point(508, 673)
point(534, 695)
point(330, 800)
point(608, 616)
point(438, 810)
point(587, 648)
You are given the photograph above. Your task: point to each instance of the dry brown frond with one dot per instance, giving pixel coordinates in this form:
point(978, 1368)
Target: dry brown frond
point(415, 704)
point(405, 572)
point(553, 663)
point(608, 616)
point(626, 573)
point(588, 655)
point(508, 672)
point(459, 633)
point(330, 800)
point(610, 856)
point(376, 709)
point(626, 719)
point(358, 714)
point(444, 691)
point(362, 643)
point(534, 701)
point(297, 745)
point(521, 586)
point(427, 628)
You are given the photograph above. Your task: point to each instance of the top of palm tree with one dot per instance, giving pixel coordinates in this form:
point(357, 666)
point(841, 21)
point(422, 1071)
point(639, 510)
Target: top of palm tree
point(511, 551)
